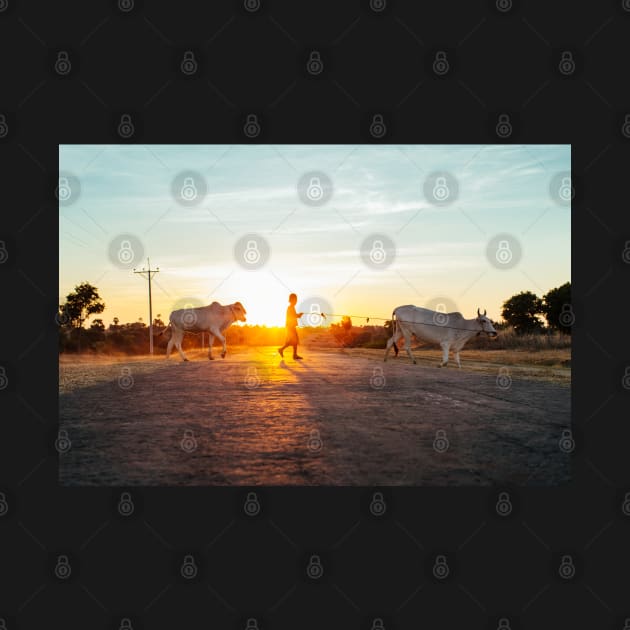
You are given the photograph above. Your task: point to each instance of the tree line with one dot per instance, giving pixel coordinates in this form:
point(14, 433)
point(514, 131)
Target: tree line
point(522, 314)
point(524, 311)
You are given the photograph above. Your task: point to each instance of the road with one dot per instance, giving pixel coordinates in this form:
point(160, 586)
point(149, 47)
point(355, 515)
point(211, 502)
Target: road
point(332, 419)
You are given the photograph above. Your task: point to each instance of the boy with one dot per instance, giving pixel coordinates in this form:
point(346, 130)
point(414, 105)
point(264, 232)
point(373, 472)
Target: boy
point(291, 323)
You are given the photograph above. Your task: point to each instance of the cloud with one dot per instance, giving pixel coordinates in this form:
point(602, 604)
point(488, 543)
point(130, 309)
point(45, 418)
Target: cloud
point(252, 188)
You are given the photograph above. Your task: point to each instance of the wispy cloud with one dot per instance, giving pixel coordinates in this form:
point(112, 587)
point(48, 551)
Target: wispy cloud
point(377, 190)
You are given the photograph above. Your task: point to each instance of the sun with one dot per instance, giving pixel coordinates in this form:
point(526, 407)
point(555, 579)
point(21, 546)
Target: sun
point(265, 301)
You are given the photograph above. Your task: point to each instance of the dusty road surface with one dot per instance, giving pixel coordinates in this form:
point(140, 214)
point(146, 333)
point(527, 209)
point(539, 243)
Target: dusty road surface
point(339, 417)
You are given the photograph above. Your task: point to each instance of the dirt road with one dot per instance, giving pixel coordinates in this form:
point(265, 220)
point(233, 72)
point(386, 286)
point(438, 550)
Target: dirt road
point(339, 417)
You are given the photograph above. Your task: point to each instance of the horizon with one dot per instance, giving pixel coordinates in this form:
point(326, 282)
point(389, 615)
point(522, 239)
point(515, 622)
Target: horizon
point(433, 252)
point(356, 320)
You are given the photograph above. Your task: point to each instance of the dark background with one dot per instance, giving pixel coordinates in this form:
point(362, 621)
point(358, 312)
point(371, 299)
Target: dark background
point(254, 62)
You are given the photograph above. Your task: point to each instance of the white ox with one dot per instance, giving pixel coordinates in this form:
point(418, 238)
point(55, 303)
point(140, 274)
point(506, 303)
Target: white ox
point(449, 330)
point(213, 319)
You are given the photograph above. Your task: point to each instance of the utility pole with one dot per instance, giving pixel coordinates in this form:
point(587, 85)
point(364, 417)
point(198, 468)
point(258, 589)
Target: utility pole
point(149, 273)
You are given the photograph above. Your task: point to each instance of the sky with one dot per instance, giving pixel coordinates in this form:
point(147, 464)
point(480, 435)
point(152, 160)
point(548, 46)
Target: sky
point(436, 252)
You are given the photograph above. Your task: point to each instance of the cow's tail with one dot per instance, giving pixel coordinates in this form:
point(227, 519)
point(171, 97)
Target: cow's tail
point(394, 331)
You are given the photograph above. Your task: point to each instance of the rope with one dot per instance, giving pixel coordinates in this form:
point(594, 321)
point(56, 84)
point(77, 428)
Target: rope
point(367, 318)
point(404, 321)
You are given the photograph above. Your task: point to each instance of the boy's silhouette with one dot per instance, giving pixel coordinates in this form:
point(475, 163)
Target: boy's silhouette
point(291, 324)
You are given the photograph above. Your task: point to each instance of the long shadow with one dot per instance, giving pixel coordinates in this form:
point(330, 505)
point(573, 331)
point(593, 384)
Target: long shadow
point(480, 443)
point(126, 436)
point(100, 420)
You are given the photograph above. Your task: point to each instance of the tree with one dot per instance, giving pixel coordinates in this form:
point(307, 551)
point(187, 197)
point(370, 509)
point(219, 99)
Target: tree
point(521, 311)
point(98, 324)
point(81, 303)
point(557, 308)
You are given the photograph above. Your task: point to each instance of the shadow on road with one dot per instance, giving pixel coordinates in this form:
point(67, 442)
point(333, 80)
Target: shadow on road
point(331, 419)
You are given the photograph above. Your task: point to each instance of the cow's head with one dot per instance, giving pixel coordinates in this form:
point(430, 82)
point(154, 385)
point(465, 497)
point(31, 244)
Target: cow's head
point(238, 310)
point(486, 324)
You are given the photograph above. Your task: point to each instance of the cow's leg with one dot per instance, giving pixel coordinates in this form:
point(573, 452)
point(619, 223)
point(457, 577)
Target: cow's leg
point(391, 342)
point(175, 340)
point(445, 345)
point(217, 333)
point(388, 347)
point(181, 351)
point(459, 363)
point(177, 337)
point(396, 335)
point(408, 345)
point(456, 350)
point(210, 342)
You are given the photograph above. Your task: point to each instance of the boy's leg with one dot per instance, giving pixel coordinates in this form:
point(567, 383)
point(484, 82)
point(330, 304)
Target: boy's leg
point(295, 346)
point(281, 350)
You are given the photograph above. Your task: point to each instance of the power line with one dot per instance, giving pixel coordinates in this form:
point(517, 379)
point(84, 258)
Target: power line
point(149, 274)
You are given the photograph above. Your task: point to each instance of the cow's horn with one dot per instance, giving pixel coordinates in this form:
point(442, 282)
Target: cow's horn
point(484, 312)
point(478, 313)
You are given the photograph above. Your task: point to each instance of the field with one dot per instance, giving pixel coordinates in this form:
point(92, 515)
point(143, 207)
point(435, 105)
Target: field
point(339, 417)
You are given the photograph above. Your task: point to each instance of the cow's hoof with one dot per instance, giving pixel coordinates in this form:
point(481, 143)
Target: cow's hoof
point(210, 358)
point(414, 362)
point(223, 355)
point(185, 359)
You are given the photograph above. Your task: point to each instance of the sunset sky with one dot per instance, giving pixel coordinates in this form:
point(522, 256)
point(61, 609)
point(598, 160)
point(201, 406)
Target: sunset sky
point(440, 252)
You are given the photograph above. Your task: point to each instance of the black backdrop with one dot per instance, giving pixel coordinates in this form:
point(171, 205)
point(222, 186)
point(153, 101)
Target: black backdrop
point(377, 58)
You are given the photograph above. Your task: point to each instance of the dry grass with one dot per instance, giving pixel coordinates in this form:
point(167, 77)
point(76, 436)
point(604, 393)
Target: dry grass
point(509, 340)
point(548, 365)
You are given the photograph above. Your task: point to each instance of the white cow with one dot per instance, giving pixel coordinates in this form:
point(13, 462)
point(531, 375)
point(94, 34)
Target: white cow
point(213, 319)
point(450, 330)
